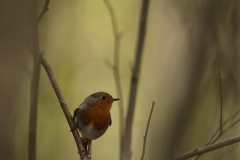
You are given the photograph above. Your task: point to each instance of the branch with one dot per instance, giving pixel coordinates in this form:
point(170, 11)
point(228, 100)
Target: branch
point(113, 18)
point(35, 82)
point(220, 90)
point(145, 137)
point(32, 139)
point(81, 150)
point(230, 149)
point(65, 109)
point(44, 10)
point(34, 85)
point(220, 121)
point(33, 108)
point(126, 154)
point(209, 148)
point(212, 139)
point(116, 69)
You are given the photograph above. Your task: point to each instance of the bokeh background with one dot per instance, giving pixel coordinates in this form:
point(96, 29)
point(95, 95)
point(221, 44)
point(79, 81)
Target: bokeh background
point(179, 71)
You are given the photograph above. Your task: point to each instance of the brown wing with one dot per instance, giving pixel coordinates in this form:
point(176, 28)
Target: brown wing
point(75, 114)
point(74, 120)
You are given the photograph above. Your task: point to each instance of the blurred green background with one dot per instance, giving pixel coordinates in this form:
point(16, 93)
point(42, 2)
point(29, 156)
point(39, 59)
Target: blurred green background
point(178, 71)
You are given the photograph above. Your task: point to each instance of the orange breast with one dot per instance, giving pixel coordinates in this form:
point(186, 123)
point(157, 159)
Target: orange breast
point(98, 115)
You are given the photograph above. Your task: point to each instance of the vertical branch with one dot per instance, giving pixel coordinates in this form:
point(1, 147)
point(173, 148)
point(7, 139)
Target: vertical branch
point(220, 89)
point(34, 84)
point(35, 79)
point(126, 153)
point(116, 69)
point(145, 137)
point(33, 108)
point(113, 19)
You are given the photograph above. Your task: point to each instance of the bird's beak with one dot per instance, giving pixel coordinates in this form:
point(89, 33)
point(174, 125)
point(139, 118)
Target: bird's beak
point(115, 99)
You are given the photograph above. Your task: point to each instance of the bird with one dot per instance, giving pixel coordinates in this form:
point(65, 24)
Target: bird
point(92, 117)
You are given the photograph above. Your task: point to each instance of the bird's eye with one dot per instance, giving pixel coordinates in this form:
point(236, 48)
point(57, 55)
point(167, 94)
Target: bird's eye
point(103, 97)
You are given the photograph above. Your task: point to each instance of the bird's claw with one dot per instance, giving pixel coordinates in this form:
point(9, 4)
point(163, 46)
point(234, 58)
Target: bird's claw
point(75, 127)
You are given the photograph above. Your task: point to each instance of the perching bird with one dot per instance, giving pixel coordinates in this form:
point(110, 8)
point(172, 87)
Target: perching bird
point(93, 117)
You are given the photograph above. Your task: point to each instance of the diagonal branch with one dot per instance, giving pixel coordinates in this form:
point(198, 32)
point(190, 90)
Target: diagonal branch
point(65, 109)
point(230, 149)
point(214, 138)
point(44, 10)
point(209, 148)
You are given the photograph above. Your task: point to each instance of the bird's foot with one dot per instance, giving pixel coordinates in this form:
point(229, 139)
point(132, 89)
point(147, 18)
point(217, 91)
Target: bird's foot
point(75, 127)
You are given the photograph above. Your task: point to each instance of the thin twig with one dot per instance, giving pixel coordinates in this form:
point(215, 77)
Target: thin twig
point(113, 18)
point(212, 139)
point(126, 153)
point(231, 125)
point(34, 85)
point(230, 149)
point(65, 109)
point(44, 10)
point(214, 134)
point(115, 67)
point(209, 148)
point(220, 90)
point(146, 133)
point(223, 124)
point(225, 130)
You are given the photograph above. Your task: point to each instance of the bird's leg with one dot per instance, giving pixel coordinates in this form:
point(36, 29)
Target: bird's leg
point(89, 147)
point(85, 143)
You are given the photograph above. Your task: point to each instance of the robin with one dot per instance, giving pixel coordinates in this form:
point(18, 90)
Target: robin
point(93, 117)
